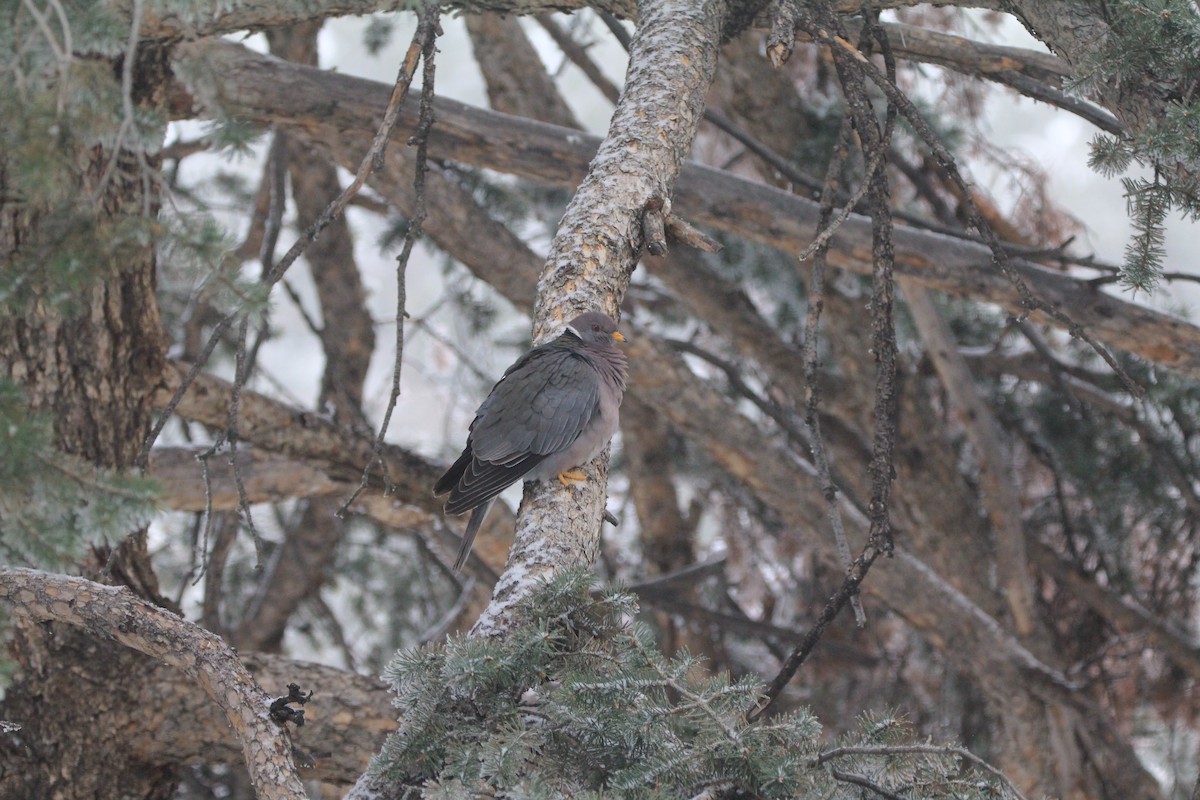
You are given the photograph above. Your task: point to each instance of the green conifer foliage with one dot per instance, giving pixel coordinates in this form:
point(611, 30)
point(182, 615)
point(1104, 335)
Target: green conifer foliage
point(1159, 38)
point(577, 702)
point(53, 505)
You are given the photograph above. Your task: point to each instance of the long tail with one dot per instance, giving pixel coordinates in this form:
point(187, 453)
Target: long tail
point(477, 517)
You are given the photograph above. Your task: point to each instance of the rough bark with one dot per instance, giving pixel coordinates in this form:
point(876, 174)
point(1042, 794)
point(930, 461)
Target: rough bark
point(111, 613)
point(345, 724)
point(92, 372)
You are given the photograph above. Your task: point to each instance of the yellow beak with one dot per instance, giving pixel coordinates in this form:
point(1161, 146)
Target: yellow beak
point(617, 336)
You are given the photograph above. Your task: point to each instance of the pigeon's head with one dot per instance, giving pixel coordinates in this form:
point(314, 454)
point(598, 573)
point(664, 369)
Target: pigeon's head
point(595, 327)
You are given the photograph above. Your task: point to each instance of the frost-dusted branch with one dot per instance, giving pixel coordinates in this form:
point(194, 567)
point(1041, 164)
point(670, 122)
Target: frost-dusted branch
point(116, 613)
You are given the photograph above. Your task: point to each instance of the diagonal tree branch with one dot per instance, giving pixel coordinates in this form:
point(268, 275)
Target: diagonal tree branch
point(116, 613)
point(267, 477)
point(516, 79)
point(346, 720)
point(1037, 75)
point(987, 441)
point(306, 436)
point(194, 22)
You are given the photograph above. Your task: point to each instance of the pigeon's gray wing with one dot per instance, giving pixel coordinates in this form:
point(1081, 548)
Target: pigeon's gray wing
point(482, 481)
point(538, 408)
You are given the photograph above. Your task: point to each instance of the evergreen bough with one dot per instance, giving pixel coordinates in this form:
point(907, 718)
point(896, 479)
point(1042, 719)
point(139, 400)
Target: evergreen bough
point(52, 504)
point(1159, 38)
point(578, 702)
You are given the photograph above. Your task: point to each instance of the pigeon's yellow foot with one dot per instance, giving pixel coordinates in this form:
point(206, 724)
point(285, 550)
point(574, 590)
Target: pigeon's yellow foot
point(571, 477)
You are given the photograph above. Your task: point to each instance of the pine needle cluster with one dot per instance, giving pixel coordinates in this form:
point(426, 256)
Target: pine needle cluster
point(1159, 38)
point(53, 505)
point(578, 702)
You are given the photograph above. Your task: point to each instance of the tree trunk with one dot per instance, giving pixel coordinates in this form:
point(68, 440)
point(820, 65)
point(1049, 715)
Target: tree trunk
point(93, 373)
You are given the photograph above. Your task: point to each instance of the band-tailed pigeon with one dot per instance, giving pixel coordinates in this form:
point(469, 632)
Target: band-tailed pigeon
point(553, 411)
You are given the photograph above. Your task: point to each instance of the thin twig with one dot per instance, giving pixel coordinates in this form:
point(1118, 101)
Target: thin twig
point(214, 573)
point(443, 624)
point(276, 175)
point(333, 211)
point(421, 324)
point(812, 378)
point(578, 55)
point(800, 653)
point(828, 227)
point(907, 749)
point(208, 513)
point(859, 780)
point(1029, 301)
point(429, 28)
point(738, 384)
point(692, 573)
point(847, 61)
point(194, 563)
point(325, 614)
point(235, 397)
point(784, 167)
point(298, 302)
point(617, 28)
